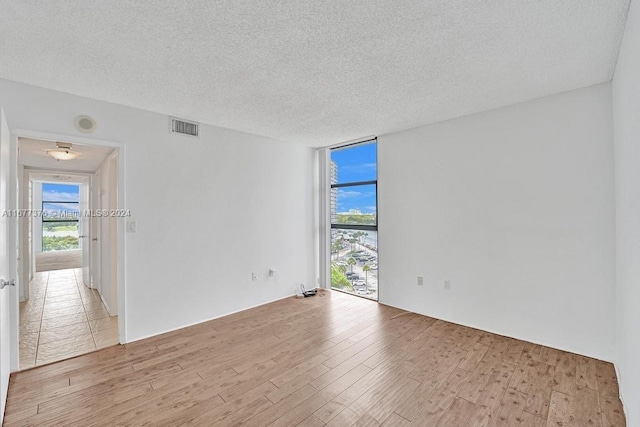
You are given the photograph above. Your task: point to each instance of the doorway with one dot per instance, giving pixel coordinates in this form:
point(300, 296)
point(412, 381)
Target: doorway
point(67, 307)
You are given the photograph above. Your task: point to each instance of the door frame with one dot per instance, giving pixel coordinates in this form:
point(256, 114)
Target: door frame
point(8, 295)
point(16, 237)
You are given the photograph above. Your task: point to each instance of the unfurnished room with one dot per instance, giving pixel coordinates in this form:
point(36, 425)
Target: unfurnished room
point(320, 213)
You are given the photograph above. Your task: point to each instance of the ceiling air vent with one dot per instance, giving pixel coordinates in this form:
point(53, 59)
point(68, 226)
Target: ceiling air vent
point(183, 127)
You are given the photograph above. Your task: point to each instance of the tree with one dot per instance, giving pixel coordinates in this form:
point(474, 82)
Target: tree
point(339, 241)
point(366, 269)
point(59, 243)
point(342, 268)
point(335, 248)
point(352, 261)
point(357, 235)
point(338, 279)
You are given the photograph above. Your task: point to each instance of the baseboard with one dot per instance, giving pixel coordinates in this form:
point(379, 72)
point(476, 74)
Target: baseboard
point(500, 333)
point(620, 396)
point(207, 320)
point(107, 306)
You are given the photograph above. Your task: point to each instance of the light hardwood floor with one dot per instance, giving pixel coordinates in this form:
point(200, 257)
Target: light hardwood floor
point(333, 360)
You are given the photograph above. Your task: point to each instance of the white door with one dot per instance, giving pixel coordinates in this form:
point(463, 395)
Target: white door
point(95, 232)
point(105, 271)
point(84, 228)
point(5, 353)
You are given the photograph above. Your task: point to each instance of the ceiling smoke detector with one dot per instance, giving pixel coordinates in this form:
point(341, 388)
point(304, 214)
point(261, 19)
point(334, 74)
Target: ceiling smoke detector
point(85, 124)
point(63, 152)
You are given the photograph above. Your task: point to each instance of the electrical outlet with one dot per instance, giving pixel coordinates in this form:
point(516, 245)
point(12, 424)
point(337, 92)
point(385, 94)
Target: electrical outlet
point(420, 280)
point(254, 276)
point(447, 284)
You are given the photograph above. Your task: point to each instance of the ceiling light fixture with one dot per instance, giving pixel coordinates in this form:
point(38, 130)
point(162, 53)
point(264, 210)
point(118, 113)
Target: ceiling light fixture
point(63, 152)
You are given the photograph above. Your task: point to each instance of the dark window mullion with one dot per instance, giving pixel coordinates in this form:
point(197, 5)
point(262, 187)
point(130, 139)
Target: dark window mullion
point(354, 184)
point(354, 227)
point(56, 201)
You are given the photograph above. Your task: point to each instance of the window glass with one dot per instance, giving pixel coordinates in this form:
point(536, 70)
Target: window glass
point(355, 163)
point(60, 211)
point(354, 223)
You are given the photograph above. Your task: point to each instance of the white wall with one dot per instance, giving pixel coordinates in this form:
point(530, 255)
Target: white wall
point(626, 119)
point(515, 207)
point(209, 211)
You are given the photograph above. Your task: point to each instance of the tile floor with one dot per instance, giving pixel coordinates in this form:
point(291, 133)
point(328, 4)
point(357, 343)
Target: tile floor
point(62, 318)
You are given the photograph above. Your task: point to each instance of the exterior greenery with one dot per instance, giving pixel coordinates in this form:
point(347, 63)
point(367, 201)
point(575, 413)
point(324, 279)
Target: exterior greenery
point(52, 242)
point(366, 269)
point(360, 219)
point(59, 243)
point(338, 279)
point(59, 226)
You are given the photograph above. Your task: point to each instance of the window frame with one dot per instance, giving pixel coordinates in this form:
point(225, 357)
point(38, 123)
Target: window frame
point(46, 220)
point(339, 226)
point(358, 227)
point(59, 203)
point(336, 226)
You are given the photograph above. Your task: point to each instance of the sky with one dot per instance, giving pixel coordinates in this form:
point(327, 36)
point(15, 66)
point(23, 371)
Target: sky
point(60, 193)
point(355, 164)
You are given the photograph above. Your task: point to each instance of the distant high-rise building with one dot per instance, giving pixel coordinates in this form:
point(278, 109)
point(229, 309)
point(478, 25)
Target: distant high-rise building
point(334, 192)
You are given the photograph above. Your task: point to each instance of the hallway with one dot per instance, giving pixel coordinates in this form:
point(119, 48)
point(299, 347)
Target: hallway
point(63, 318)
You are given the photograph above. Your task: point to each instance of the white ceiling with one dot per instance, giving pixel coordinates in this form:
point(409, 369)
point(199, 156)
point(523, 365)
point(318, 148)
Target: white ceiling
point(310, 71)
point(33, 153)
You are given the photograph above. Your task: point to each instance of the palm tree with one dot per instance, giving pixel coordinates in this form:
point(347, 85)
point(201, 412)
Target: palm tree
point(366, 269)
point(351, 261)
point(339, 246)
point(342, 268)
point(358, 237)
point(335, 248)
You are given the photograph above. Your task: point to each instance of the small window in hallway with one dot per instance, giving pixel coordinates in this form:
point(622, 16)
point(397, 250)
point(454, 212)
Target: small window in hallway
point(354, 219)
point(60, 212)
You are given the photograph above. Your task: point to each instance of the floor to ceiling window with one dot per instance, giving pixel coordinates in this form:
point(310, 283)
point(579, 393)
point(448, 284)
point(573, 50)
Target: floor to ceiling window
point(354, 219)
point(60, 212)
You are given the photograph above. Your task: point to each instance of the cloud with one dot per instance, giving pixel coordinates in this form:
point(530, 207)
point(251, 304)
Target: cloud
point(346, 194)
point(59, 196)
point(53, 208)
point(363, 167)
point(351, 194)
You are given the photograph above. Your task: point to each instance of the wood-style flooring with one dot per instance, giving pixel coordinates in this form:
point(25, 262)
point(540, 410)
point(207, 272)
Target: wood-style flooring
point(334, 360)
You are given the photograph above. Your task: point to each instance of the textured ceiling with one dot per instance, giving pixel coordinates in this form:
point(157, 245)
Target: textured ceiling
point(33, 153)
point(310, 71)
